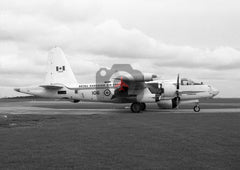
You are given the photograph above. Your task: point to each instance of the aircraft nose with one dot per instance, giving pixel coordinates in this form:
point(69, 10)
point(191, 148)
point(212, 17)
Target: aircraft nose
point(215, 91)
point(17, 89)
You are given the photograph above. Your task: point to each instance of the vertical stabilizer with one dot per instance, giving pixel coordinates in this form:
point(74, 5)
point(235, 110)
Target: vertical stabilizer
point(59, 71)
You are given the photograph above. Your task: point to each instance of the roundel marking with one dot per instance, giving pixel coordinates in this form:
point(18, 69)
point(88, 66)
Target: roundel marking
point(107, 92)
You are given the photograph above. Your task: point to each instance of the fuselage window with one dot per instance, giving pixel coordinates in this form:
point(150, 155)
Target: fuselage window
point(76, 91)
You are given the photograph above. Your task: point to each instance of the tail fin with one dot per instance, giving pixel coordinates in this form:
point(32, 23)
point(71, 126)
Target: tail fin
point(59, 70)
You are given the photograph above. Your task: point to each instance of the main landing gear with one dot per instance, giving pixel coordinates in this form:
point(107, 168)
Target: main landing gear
point(196, 108)
point(137, 107)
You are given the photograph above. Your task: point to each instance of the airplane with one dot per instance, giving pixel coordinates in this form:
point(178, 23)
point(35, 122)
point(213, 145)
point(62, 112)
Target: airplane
point(60, 83)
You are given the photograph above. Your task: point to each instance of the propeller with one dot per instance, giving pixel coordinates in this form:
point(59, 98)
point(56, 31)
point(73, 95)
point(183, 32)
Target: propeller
point(177, 91)
point(178, 82)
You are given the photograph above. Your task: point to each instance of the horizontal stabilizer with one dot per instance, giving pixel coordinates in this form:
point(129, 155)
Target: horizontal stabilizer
point(51, 86)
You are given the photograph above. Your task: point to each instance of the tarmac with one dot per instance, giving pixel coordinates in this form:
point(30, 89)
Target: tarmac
point(89, 108)
point(65, 135)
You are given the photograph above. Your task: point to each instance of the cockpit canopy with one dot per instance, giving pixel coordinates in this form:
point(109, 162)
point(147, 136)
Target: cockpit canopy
point(185, 82)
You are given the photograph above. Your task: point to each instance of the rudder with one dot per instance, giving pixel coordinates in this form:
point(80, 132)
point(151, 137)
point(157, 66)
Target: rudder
point(59, 70)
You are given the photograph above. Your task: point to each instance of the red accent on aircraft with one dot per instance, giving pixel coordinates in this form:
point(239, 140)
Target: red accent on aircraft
point(121, 84)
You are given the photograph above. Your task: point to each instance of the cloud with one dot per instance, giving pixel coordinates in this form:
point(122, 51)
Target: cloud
point(98, 33)
point(110, 38)
point(14, 61)
point(61, 10)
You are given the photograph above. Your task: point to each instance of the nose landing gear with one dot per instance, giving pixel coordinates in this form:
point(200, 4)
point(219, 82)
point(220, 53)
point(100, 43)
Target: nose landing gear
point(196, 108)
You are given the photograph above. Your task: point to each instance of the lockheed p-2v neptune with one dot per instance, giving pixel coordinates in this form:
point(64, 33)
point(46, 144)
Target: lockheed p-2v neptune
point(120, 84)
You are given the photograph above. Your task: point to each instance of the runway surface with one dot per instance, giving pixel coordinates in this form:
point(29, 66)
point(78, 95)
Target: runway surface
point(60, 107)
point(63, 135)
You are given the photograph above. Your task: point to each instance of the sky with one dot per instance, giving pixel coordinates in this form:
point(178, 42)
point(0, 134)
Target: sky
point(199, 39)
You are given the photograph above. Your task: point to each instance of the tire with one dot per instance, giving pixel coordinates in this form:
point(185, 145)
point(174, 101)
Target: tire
point(136, 107)
point(143, 106)
point(196, 109)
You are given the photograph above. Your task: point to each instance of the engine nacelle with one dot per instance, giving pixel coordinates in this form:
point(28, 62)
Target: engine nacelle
point(138, 77)
point(167, 104)
point(149, 76)
point(146, 96)
point(169, 90)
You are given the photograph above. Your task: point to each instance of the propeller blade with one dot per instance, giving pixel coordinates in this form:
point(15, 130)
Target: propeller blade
point(178, 82)
point(177, 91)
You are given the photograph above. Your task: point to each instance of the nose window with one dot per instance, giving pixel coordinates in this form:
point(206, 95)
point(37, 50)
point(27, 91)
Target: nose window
point(185, 82)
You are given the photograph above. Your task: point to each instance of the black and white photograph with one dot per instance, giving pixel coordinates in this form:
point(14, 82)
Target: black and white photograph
point(119, 84)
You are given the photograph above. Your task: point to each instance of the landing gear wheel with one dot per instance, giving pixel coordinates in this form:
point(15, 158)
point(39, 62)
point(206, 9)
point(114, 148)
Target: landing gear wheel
point(136, 107)
point(143, 106)
point(196, 108)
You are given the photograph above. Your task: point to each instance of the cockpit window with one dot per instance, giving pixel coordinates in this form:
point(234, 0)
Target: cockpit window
point(185, 81)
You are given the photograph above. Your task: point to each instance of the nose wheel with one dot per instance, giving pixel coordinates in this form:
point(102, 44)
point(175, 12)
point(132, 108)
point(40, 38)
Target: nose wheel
point(196, 108)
